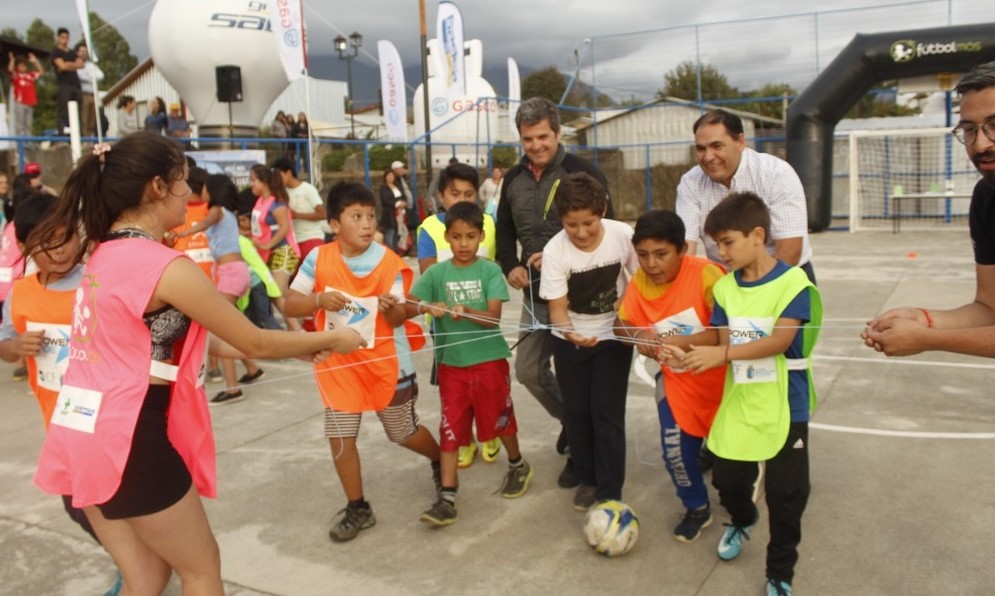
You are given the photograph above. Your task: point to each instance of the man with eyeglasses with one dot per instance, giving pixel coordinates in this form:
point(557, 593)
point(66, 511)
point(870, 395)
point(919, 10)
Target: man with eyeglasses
point(969, 329)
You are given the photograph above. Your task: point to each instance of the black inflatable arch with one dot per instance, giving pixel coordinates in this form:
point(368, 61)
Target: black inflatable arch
point(866, 61)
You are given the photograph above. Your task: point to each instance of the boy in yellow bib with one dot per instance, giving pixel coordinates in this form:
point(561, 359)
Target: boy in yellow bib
point(769, 315)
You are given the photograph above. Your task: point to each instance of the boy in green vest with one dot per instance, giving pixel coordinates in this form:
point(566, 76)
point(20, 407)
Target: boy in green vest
point(769, 315)
point(458, 183)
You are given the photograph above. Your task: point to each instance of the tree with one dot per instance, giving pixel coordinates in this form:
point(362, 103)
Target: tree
point(10, 33)
point(773, 105)
point(682, 82)
point(113, 51)
point(546, 82)
point(40, 34)
point(883, 101)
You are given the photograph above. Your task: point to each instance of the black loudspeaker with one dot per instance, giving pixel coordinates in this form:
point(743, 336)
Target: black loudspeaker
point(229, 83)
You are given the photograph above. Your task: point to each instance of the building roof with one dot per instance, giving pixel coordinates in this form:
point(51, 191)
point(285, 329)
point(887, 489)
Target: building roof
point(111, 94)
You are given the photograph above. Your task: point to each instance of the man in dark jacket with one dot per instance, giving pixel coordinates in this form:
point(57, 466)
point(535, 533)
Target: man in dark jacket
point(526, 218)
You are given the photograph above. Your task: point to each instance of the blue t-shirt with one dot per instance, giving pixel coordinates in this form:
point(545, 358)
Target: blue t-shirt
point(222, 237)
point(800, 308)
point(361, 266)
point(426, 245)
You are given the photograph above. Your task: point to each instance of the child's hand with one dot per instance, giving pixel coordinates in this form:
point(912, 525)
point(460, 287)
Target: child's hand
point(169, 239)
point(348, 340)
point(434, 309)
point(672, 357)
point(333, 301)
point(536, 261)
point(702, 358)
point(457, 312)
point(579, 340)
point(647, 344)
point(386, 302)
point(29, 343)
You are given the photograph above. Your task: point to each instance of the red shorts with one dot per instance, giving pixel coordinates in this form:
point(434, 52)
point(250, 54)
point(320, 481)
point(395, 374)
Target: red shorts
point(481, 392)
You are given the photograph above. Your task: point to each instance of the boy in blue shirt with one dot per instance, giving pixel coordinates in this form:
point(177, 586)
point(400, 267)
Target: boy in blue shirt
point(769, 315)
point(464, 295)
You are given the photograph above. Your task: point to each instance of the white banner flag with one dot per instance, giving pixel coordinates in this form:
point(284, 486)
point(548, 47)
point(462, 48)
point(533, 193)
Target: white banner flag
point(287, 22)
point(452, 66)
point(514, 95)
point(395, 103)
point(84, 21)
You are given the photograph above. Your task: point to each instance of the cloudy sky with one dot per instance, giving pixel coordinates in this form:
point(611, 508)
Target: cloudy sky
point(735, 36)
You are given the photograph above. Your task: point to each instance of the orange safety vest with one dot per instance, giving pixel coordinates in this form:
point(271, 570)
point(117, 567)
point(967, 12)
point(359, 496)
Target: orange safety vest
point(196, 246)
point(36, 307)
point(365, 379)
point(693, 399)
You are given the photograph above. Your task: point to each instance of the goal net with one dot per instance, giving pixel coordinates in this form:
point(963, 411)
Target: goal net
point(908, 180)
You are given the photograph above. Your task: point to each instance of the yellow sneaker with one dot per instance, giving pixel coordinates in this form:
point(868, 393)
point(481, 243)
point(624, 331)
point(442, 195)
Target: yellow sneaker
point(466, 455)
point(490, 450)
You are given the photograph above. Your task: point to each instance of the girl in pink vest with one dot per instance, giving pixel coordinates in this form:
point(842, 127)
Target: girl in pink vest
point(273, 231)
point(131, 435)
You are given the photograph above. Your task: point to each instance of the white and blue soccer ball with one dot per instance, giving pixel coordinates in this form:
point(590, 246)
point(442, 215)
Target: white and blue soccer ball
point(611, 528)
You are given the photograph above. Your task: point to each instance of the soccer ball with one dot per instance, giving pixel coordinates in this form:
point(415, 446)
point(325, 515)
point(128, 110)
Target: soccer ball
point(611, 528)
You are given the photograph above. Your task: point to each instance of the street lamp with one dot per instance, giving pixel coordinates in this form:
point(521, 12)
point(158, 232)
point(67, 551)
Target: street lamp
point(349, 49)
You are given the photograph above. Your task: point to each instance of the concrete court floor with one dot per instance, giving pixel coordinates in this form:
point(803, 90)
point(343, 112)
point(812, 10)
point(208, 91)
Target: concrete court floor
point(903, 498)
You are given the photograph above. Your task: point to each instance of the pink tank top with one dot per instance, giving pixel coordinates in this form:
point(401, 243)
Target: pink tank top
point(262, 231)
point(10, 269)
point(91, 430)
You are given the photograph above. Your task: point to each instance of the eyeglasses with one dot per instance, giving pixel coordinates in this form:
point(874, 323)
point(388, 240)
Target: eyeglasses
point(967, 132)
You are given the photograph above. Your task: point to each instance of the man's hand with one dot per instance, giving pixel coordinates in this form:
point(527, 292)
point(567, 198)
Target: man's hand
point(518, 277)
point(896, 336)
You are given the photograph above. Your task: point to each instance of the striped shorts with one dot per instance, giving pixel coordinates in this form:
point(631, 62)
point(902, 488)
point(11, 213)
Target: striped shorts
point(399, 419)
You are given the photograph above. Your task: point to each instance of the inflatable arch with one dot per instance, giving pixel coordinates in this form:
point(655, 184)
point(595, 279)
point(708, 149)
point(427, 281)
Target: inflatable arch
point(866, 61)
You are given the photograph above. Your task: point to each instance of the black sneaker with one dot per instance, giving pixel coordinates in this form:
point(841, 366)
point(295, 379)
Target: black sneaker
point(585, 497)
point(443, 513)
point(568, 477)
point(350, 522)
point(247, 378)
point(692, 524)
point(223, 397)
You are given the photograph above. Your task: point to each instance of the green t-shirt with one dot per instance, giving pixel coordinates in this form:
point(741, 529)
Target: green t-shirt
point(464, 342)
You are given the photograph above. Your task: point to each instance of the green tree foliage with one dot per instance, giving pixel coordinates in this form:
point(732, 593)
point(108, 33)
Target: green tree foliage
point(682, 82)
point(11, 33)
point(546, 82)
point(40, 34)
point(772, 108)
point(113, 51)
point(882, 102)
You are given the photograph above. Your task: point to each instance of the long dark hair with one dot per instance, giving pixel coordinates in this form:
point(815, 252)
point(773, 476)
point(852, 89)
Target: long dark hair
point(273, 179)
point(222, 192)
point(96, 194)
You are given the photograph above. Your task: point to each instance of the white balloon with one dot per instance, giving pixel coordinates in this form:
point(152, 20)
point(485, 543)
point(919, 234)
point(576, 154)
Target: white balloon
point(190, 38)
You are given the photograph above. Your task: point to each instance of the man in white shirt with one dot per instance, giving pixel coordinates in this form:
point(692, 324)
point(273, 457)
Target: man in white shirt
point(725, 165)
point(89, 77)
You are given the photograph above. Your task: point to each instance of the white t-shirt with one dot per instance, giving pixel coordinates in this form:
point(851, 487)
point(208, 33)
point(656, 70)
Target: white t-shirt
point(304, 199)
point(592, 281)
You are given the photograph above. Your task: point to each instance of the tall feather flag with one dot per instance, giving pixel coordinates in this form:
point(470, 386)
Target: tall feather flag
point(395, 101)
point(452, 65)
point(84, 21)
point(514, 95)
point(287, 22)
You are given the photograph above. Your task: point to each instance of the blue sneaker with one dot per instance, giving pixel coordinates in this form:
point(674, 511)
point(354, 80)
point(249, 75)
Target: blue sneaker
point(115, 590)
point(777, 587)
point(731, 543)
